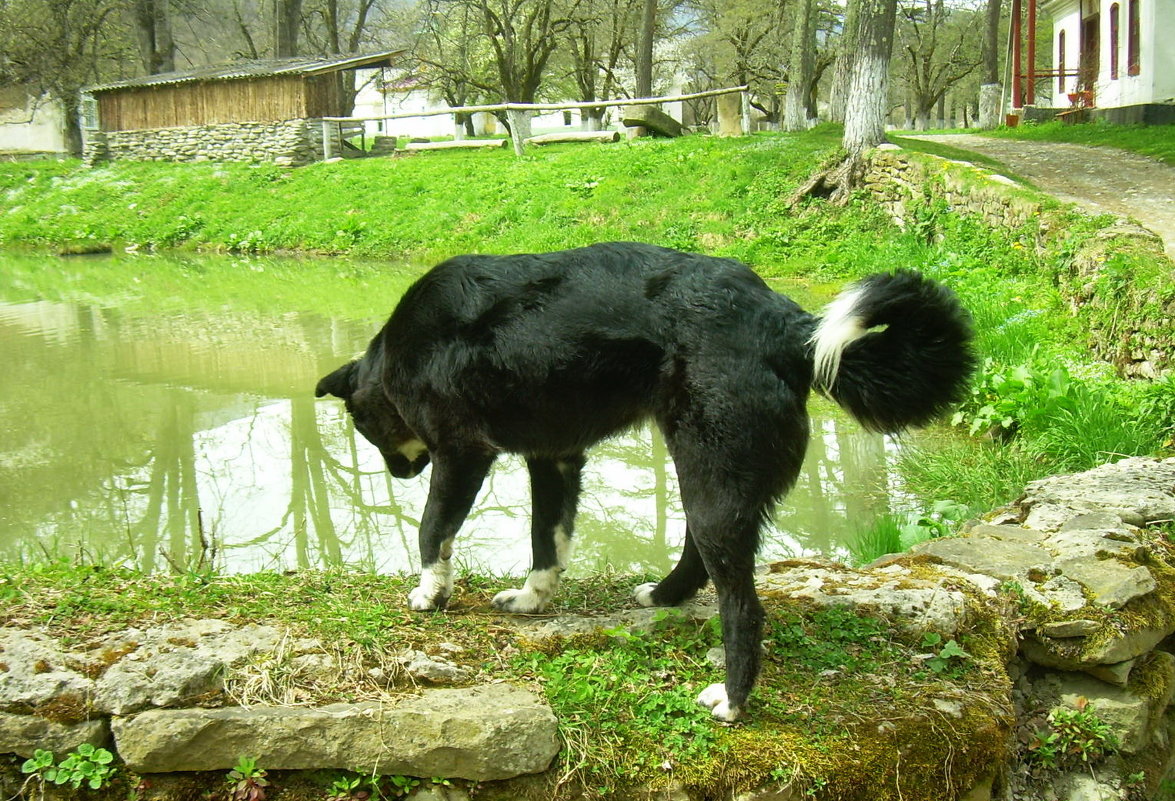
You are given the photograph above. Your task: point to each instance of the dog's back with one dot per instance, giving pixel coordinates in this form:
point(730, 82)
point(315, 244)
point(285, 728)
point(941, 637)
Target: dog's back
point(548, 353)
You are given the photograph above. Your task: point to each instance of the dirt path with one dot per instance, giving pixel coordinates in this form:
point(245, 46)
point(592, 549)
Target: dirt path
point(1102, 180)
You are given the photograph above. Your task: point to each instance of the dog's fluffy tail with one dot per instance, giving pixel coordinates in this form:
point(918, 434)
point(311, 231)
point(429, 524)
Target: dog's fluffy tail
point(894, 350)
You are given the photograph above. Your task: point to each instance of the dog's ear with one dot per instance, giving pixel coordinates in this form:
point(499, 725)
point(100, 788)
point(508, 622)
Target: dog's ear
point(340, 383)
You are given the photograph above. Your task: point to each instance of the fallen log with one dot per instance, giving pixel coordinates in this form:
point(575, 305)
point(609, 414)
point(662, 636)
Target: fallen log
point(457, 145)
point(574, 136)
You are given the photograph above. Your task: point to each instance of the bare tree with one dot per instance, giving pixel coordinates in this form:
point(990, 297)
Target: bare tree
point(59, 46)
point(939, 44)
point(598, 42)
point(156, 45)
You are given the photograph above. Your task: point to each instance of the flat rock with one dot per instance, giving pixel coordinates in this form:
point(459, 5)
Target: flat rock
point(24, 734)
point(912, 604)
point(1109, 582)
point(176, 664)
point(1006, 560)
point(1137, 490)
point(35, 672)
point(484, 733)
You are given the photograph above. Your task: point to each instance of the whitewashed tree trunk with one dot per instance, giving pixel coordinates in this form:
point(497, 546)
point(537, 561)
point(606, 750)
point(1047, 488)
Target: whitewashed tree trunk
point(843, 67)
point(868, 95)
point(989, 105)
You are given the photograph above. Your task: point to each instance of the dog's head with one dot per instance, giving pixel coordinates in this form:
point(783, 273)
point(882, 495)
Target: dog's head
point(375, 417)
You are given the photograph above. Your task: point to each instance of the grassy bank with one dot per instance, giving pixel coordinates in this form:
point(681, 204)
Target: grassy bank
point(699, 193)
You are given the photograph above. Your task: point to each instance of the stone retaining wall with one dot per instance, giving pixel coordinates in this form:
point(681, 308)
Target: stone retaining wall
point(1074, 583)
point(288, 143)
point(1135, 326)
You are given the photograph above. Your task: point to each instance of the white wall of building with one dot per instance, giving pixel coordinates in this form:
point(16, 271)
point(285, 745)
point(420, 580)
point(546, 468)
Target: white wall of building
point(30, 124)
point(372, 101)
point(1155, 81)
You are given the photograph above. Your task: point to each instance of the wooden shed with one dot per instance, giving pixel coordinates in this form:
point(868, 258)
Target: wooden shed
point(247, 91)
point(246, 111)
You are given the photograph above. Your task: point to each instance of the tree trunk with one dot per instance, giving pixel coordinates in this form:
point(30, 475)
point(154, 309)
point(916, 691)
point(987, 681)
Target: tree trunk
point(288, 15)
point(865, 106)
point(803, 64)
point(869, 80)
point(644, 51)
point(842, 69)
point(153, 29)
point(990, 90)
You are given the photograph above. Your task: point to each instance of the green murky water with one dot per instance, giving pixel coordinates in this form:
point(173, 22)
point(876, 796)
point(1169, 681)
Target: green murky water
point(160, 413)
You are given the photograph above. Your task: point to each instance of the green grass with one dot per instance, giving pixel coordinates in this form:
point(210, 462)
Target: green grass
point(696, 193)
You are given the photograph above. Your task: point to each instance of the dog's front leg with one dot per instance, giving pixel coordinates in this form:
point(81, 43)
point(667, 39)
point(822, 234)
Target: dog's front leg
point(456, 479)
point(554, 490)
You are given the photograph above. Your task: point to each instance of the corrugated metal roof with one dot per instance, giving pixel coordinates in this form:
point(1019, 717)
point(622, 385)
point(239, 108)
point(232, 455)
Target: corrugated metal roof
point(266, 68)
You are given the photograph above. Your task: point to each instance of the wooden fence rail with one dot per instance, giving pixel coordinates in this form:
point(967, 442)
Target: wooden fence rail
point(331, 126)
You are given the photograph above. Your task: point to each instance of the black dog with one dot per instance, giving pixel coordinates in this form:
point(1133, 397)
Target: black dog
point(544, 355)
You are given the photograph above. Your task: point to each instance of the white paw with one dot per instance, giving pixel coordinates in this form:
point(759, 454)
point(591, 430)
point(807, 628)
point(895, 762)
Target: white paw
point(714, 698)
point(644, 593)
point(436, 585)
point(520, 602)
point(424, 599)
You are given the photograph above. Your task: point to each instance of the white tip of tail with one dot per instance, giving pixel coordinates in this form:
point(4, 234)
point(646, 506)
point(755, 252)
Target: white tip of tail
point(840, 326)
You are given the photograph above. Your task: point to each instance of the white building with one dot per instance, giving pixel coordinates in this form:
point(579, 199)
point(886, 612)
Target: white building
point(1114, 54)
point(384, 92)
point(30, 124)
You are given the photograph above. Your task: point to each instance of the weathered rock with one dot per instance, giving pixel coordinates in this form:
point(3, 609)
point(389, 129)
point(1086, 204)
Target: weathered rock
point(482, 733)
point(1110, 583)
point(24, 734)
point(1005, 560)
point(176, 664)
point(1133, 715)
point(912, 604)
point(35, 672)
point(1137, 490)
point(427, 668)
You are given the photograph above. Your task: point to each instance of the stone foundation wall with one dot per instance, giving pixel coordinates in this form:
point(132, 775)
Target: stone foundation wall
point(1133, 324)
point(288, 143)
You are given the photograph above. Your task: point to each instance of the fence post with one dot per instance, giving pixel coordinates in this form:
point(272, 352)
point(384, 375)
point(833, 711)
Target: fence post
point(326, 141)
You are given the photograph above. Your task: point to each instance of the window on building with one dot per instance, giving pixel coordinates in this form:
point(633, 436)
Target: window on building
point(1114, 41)
point(1132, 36)
point(89, 113)
point(1061, 62)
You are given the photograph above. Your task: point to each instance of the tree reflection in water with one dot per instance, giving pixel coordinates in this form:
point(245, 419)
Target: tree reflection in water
point(192, 440)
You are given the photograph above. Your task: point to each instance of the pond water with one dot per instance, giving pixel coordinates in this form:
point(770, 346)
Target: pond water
point(160, 413)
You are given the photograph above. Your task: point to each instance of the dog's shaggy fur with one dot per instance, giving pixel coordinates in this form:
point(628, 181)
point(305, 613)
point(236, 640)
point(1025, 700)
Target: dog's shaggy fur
point(544, 355)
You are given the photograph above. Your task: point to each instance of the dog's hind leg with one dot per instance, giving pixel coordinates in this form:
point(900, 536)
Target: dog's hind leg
point(682, 583)
point(554, 488)
point(731, 566)
point(456, 479)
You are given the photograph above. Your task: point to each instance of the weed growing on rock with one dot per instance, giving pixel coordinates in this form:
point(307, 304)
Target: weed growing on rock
point(1074, 737)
